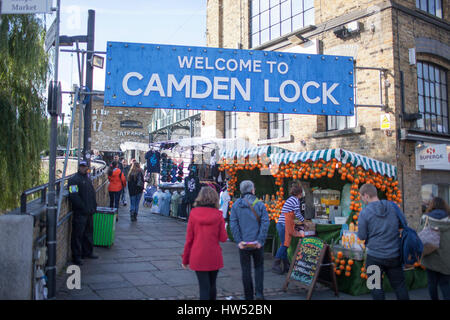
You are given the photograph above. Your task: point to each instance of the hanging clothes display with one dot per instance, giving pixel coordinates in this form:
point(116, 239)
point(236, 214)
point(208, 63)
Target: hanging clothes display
point(165, 203)
point(156, 201)
point(153, 161)
point(173, 174)
point(180, 173)
point(166, 168)
point(175, 203)
point(191, 187)
point(224, 201)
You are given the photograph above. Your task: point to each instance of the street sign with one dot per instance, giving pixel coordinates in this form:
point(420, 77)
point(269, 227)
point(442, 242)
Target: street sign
point(202, 78)
point(50, 36)
point(26, 6)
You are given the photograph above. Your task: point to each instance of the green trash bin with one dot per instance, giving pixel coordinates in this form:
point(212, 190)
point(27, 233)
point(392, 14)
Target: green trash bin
point(104, 226)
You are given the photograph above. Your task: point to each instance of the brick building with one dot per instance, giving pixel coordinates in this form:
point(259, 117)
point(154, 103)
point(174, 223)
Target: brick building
point(401, 51)
point(116, 129)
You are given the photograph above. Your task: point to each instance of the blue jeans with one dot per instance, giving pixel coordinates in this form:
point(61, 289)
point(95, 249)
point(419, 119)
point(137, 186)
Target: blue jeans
point(436, 279)
point(134, 202)
point(123, 195)
point(114, 199)
point(394, 272)
point(246, 266)
point(282, 250)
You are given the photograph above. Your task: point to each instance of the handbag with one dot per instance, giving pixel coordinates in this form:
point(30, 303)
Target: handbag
point(430, 237)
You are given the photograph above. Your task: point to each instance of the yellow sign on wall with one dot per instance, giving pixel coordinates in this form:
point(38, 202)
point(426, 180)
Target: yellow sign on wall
point(385, 122)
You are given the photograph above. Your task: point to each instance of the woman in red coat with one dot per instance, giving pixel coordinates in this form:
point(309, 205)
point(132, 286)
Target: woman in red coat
point(202, 251)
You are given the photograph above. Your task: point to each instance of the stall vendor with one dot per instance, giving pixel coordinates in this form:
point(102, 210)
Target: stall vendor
point(296, 205)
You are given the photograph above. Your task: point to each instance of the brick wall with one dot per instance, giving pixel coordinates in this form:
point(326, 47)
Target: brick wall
point(64, 229)
point(106, 131)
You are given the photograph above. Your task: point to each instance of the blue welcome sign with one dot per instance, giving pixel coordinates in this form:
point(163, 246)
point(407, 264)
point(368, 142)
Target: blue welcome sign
point(202, 78)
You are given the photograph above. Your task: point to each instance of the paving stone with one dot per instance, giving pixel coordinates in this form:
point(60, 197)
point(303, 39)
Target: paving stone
point(177, 277)
point(168, 264)
point(159, 291)
point(229, 284)
point(127, 267)
point(156, 252)
point(142, 278)
point(110, 285)
point(121, 294)
point(116, 253)
point(96, 278)
point(189, 290)
point(169, 244)
point(140, 244)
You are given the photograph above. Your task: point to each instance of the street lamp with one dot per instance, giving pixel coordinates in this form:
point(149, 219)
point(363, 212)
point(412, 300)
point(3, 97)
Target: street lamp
point(97, 61)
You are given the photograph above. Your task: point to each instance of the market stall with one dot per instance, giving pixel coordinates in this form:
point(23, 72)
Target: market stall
point(332, 178)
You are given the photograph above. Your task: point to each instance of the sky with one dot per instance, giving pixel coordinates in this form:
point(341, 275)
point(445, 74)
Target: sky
point(178, 22)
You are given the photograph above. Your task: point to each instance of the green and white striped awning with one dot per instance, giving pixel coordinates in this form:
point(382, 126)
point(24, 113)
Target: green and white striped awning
point(252, 152)
point(339, 154)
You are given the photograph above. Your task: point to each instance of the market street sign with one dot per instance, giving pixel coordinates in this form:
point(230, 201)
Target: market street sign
point(26, 6)
point(50, 36)
point(201, 78)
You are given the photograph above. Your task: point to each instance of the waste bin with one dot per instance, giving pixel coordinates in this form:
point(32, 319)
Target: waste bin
point(104, 226)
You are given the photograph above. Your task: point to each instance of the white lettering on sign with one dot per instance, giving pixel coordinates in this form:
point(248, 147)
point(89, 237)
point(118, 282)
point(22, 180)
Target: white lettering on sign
point(125, 80)
point(130, 133)
point(224, 88)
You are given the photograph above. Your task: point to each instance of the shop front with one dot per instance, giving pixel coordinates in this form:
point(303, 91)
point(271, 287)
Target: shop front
point(433, 160)
point(330, 180)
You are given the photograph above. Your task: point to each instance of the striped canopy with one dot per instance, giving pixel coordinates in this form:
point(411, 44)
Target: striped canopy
point(339, 154)
point(252, 152)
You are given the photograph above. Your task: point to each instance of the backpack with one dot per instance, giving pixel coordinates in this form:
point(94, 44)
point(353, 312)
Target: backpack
point(411, 246)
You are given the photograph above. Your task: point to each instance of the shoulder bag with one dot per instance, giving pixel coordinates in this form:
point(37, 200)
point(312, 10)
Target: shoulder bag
point(253, 210)
point(430, 237)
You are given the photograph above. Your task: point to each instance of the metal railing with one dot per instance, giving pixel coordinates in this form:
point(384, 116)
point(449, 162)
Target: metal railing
point(59, 183)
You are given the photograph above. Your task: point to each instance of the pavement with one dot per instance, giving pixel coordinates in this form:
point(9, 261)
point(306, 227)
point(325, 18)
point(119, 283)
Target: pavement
point(144, 263)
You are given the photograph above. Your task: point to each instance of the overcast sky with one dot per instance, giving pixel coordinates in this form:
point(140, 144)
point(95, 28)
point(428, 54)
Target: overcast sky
point(180, 22)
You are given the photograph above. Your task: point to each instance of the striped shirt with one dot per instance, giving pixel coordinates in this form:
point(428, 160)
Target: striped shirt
point(295, 205)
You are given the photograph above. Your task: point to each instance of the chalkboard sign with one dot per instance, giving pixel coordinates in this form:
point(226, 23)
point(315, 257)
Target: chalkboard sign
point(311, 262)
point(306, 260)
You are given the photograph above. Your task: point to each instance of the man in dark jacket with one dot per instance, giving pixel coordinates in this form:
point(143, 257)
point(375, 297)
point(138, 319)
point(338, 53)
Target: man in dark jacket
point(249, 223)
point(84, 204)
point(379, 226)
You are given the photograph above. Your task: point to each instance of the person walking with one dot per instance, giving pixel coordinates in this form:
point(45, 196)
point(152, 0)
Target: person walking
point(125, 170)
point(437, 263)
point(378, 226)
point(135, 189)
point(202, 252)
point(296, 205)
point(249, 224)
point(117, 182)
point(84, 204)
